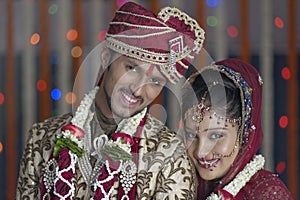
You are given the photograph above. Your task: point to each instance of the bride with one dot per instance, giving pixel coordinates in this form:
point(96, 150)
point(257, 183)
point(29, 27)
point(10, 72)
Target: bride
point(223, 133)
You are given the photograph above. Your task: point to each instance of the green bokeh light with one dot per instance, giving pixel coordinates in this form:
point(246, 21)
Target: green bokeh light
point(53, 9)
point(212, 21)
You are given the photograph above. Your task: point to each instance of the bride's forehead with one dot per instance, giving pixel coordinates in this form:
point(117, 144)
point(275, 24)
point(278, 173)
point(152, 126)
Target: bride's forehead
point(195, 117)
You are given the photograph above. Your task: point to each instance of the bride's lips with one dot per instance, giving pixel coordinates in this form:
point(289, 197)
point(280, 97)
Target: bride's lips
point(129, 99)
point(208, 163)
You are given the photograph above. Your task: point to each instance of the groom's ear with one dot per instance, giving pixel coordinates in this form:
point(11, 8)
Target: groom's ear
point(105, 57)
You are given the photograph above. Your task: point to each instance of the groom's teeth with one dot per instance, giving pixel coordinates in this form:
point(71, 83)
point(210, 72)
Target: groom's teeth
point(128, 98)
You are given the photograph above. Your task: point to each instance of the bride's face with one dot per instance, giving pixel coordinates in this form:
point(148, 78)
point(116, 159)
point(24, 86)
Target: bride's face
point(212, 144)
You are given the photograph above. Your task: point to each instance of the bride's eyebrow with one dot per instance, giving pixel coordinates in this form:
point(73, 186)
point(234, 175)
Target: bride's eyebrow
point(190, 130)
point(216, 128)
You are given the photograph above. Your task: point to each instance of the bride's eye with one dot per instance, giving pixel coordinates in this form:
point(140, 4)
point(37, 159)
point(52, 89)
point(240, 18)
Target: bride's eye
point(215, 135)
point(190, 135)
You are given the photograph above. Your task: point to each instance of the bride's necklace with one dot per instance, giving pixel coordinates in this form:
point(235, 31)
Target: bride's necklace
point(242, 178)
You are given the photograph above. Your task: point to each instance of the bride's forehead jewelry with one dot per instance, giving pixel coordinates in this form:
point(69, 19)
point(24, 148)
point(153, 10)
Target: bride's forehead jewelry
point(199, 110)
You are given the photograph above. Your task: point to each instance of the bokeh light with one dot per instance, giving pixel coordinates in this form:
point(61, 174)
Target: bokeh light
point(212, 3)
point(55, 94)
point(280, 167)
point(41, 85)
point(76, 52)
point(2, 98)
point(101, 35)
point(212, 21)
point(1, 147)
point(283, 121)
point(121, 2)
point(72, 35)
point(286, 73)
point(53, 9)
point(35, 39)
point(70, 97)
point(279, 22)
point(232, 31)
point(54, 59)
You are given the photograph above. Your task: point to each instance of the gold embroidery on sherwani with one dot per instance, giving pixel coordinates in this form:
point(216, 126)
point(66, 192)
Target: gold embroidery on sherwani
point(163, 170)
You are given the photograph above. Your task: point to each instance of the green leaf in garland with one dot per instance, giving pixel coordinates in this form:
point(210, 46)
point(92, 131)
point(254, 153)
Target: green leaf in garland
point(116, 153)
point(61, 143)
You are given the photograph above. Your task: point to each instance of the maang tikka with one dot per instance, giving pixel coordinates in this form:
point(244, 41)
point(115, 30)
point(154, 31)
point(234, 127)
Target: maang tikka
point(199, 110)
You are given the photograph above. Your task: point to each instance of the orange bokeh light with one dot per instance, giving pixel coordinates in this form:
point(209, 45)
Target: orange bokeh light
point(76, 52)
point(70, 97)
point(1, 147)
point(35, 39)
point(72, 35)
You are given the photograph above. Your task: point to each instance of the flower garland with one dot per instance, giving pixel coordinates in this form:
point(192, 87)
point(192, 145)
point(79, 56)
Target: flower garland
point(232, 189)
point(72, 134)
point(68, 148)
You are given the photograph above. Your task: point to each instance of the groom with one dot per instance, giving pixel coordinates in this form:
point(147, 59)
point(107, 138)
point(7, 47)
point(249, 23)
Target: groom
point(111, 148)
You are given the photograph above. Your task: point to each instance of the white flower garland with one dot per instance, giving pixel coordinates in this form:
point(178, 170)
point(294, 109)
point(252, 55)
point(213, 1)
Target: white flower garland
point(83, 110)
point(214, 196)
point(242, 178)
point(81, 117)
point(125, 146)
point(130, 125)
point(69, 134)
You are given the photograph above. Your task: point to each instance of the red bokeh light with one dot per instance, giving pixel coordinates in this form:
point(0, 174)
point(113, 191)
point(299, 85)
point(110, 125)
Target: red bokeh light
point(232, 31)
point(2, 98)
point(279, 22)
point(101, 35)
point(280, 167)
point(286, 73)
point(121, 2)
point(41, 85)
point(283, 121)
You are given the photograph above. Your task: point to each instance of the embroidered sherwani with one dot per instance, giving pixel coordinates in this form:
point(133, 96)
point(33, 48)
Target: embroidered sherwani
point(164, 170)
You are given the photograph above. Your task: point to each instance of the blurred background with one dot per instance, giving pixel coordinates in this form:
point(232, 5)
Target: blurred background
point(43, 43)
